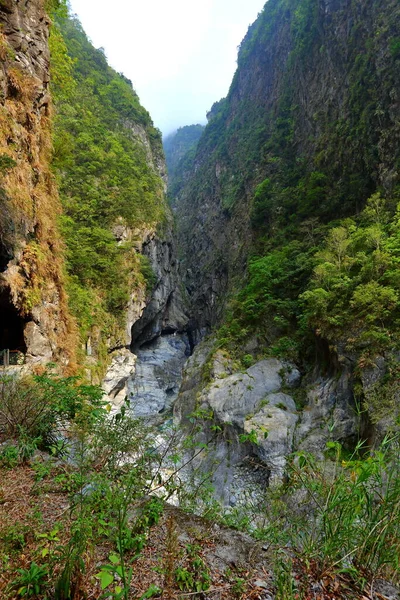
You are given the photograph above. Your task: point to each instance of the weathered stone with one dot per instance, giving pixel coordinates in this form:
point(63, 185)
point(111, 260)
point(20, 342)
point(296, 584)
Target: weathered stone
point(24, 101)
point(330, 414)
point(115, 382)
point(242, 405)
point(274, 426)
point(164, 311)
point(238, 395)
point(38, 345)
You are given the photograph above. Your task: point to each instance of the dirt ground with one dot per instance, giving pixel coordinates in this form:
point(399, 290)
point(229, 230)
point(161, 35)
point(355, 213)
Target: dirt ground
point(230, 564)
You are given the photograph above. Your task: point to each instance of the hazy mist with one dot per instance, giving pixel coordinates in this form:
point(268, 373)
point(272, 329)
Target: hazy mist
point(180, 55)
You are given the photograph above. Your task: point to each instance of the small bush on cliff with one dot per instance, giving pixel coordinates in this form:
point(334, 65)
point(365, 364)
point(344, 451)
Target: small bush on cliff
point(355, 287)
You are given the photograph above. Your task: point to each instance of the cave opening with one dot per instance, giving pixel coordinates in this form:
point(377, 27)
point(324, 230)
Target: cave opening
point(11, 324)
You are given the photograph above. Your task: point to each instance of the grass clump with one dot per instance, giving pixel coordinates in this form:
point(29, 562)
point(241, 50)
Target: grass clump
point(332, 520)
point(33, 409)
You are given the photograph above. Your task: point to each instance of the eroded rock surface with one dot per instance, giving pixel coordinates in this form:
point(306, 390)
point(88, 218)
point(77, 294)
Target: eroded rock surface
point(249, 419)
point(165, 310)
point(154, 386)
point(32, 295)
point(115, 382)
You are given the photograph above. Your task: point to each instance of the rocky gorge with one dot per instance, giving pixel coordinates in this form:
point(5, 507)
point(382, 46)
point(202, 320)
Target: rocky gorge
point(183, 279)
point(262, 175)
point(224, 337)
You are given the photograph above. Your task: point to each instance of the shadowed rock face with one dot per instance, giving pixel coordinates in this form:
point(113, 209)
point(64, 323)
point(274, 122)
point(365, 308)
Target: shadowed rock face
point(165, 310)
point(157, 320)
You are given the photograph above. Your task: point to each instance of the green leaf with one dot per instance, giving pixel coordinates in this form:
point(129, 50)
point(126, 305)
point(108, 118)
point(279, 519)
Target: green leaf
point(106, 579)
point(114, 559)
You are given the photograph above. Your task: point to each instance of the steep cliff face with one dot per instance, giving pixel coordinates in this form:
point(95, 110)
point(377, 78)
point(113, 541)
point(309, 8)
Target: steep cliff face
point(116, 231)
point(180, 150)
point(122, 271)
point(34, 317)
point(314, 108)
point(288, 226)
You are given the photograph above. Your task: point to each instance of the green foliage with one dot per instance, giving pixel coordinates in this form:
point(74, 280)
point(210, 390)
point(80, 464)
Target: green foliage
point(9, 456)
point(262, 203)
point(356, 516)
point(30, 581)
point(286, 585)
point(14, 537)
point(31, 408)
point(381, 398)
point(56, 5)
point(151, 592)
point(195, 577)
point(343, 285)
point(147, 272)
point(106, 177)
point(355, 286)
point(346, 518)
point(269, 303)
point(6, 163)
point(395, 47)
point(250, 438)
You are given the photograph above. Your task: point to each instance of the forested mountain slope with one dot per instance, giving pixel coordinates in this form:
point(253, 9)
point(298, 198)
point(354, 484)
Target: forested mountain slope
point(288, 229)
point(112, 176)
point(291, 207)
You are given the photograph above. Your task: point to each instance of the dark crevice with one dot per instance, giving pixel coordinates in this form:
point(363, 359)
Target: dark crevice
point(169, 330)
point(191, 339)
point(7, 232)
point(115, 348)
point(12, 325)
point(5, 257)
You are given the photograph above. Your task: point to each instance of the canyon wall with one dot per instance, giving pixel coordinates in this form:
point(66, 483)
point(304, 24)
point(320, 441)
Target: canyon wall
point(35, 319)
point(287, 225)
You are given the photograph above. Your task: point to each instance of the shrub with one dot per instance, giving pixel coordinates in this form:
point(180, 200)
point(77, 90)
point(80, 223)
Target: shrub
point(32, 408)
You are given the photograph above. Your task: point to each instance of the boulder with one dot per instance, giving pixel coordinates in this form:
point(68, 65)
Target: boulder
point(274, 425)
point(115, 381)
point(249, 419)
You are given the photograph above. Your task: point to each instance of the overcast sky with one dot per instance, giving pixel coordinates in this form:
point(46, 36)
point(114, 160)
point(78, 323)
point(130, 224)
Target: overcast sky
point(179, 54)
